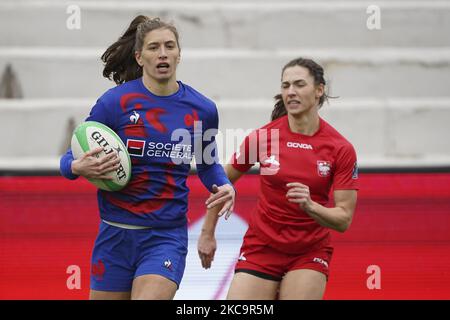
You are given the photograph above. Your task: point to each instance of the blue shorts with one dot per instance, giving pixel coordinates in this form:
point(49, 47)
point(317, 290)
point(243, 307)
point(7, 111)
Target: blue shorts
point(120, 255)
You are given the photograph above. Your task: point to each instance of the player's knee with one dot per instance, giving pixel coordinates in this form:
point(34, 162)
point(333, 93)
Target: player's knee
point(153, 287)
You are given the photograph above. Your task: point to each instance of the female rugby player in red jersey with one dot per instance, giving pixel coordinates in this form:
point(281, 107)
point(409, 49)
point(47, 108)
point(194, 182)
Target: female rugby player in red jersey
point(286, 250)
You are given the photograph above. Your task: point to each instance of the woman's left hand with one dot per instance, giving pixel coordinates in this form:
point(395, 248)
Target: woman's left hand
point(299, 193)
point(222, 195)
point(206, 247)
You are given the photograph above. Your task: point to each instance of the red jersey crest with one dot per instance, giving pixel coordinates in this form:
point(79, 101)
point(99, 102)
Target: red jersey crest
point(323, 168)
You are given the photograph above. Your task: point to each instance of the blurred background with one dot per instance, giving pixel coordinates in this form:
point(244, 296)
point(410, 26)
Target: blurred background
point(387, 61)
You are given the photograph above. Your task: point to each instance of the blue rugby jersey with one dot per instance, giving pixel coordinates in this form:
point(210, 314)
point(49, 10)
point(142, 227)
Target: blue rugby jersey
point(154, 130)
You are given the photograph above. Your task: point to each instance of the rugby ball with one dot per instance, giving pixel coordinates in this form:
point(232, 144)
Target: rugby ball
point(90, 135)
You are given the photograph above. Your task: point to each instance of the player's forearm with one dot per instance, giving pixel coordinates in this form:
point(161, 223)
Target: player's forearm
point(334, 218)
point(212, 215)
point(210, 223)
point(212, 174)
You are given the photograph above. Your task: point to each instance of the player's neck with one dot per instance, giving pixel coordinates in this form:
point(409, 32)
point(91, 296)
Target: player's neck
point(307, 124)
point(161, 88)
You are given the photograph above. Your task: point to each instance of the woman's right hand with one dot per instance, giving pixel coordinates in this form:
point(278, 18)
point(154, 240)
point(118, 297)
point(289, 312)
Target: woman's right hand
point(92, 167)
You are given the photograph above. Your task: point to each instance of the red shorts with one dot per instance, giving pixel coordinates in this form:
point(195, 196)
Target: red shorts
point(264, 261)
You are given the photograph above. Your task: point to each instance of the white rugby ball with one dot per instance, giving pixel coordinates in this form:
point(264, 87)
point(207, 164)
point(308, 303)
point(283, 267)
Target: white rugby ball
point(90, 135)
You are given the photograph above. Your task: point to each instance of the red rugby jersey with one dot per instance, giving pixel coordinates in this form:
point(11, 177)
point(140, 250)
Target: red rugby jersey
point(322, 161)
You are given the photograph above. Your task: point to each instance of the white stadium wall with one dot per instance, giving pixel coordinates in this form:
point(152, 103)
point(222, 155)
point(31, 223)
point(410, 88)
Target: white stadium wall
point(392, 83)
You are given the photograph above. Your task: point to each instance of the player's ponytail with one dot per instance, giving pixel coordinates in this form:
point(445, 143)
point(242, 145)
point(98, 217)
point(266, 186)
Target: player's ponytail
point(119, 59)
point(317, 73)
point(279, 110)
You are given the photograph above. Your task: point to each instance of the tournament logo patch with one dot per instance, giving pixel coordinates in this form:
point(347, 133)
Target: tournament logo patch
point(355, 171)
point(323, 168)
point(135, 147)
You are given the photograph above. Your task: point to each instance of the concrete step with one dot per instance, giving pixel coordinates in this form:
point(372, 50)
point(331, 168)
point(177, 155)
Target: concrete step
point(242, 74)
point(385, 132)
point(237, 24)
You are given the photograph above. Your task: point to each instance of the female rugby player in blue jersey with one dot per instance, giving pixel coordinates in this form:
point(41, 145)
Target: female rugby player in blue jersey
point(141, 248)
